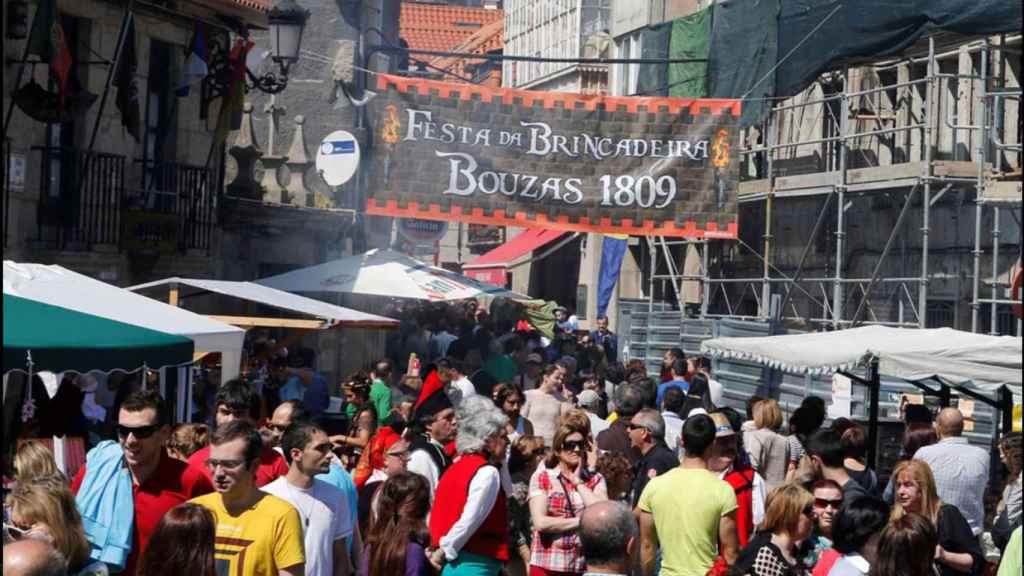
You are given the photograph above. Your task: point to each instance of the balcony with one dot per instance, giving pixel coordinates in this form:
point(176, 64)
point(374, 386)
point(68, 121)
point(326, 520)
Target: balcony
point(80, 197)
point(174, 210)
point(84, 204)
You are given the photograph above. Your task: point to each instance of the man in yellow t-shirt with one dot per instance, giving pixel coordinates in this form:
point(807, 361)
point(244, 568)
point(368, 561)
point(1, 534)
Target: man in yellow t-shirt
point(688, 511)
point(257, 534)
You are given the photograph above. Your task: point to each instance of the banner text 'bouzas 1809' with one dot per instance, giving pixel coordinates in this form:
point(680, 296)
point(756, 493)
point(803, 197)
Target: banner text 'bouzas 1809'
point(641, 166)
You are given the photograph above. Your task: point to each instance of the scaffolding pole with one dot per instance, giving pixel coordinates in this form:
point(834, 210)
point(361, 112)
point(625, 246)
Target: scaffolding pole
point(932, 114)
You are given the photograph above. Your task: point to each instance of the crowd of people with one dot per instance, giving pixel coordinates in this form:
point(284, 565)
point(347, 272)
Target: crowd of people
point(479, 447)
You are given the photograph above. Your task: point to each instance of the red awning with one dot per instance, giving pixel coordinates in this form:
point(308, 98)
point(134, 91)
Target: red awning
point(492, 267)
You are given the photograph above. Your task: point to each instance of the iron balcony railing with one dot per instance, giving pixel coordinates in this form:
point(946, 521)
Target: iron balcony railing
point(175, 208)
point(80, 197)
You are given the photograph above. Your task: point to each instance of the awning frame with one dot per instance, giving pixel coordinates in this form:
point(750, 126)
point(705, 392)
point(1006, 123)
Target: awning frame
point(319, 321)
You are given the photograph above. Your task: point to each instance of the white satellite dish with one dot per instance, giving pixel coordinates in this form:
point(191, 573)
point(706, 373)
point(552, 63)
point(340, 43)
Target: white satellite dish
point(337, 159)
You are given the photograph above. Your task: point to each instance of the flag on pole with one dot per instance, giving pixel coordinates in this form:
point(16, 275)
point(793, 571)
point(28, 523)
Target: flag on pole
point(196, 63)
point(230, 116)
point(47, 41)
point(613, 248)
point(127, 88)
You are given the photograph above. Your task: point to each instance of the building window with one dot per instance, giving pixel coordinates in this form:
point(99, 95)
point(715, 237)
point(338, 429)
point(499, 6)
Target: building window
point(941, 314)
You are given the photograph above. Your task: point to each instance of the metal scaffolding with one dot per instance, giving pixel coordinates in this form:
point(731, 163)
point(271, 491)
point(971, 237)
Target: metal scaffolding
point(915, 176)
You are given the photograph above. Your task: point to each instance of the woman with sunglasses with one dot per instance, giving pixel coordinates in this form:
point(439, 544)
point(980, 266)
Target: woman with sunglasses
point(858, 526)
point(44, 508)
point(559, 492)
point(817, 551)
point(388, 455)
point(788, 520)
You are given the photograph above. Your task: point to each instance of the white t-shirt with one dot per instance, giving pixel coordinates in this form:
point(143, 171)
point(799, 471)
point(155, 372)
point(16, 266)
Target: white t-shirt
point(461, 389)
point(715, 391)
point(323, 510)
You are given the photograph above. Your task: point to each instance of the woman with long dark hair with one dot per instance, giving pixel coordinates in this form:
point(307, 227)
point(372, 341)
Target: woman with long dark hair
point(182, 543)
point(698, 396)
point(398, 538)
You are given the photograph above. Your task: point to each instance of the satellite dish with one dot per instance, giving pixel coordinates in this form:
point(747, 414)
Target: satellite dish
point(337, 158)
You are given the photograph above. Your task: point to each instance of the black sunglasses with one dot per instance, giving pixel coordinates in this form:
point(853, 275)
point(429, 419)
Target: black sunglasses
point(140, 432)
point(574, 445)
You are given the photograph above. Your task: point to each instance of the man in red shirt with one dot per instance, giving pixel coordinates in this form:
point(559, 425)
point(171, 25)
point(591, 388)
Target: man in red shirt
point(159, 482)
point(236, 400)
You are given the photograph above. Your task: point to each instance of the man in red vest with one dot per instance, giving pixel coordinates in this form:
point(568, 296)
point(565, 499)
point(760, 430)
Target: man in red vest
point(748, 484)
point(471, 491)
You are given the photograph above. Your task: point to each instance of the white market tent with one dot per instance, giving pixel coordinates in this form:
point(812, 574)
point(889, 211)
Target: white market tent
point(325, 315)
point(386, 273)
point(59, 286)
point(984, 367)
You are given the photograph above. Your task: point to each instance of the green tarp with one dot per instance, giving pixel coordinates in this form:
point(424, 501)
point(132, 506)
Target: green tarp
point(744, 48)
point(62, 340)
point(691, 38)
point(652, 79)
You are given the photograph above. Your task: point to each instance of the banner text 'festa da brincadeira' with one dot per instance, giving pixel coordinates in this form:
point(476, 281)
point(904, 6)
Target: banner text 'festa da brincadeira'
point(641, 166)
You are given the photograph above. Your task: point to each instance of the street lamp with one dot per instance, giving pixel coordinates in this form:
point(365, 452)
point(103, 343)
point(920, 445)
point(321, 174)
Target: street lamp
point(287, 20)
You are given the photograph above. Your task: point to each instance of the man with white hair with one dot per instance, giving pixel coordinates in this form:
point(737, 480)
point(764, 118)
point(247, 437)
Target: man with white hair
point(471, 529)
point(647, 434)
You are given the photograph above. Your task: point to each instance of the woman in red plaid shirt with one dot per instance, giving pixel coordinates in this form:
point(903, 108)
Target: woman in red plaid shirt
point(559, 491)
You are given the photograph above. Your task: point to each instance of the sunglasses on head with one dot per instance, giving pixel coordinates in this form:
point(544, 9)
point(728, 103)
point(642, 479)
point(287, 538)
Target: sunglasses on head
point(140, 432)
point(574, 445)
point(12, 533)
point(826, 503)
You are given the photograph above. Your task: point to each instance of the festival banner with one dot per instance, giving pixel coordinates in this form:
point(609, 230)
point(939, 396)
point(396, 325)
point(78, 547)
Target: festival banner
point(640, 166)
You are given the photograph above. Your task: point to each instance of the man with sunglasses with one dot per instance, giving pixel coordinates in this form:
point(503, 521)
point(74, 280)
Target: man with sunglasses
point(286, 412)
point(647, 434)
point(158, 482)
point(237, 400)
point(323, 508)
point(257, 534)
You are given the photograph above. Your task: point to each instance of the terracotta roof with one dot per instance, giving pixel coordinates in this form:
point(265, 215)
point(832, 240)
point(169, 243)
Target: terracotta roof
point(487, 39)
point(442, 27)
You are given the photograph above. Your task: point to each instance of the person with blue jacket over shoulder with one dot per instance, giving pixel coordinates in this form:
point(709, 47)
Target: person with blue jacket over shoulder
point(126, 486)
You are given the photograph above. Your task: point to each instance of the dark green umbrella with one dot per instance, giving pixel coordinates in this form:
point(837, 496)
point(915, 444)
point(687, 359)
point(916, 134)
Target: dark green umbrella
point(60, 340)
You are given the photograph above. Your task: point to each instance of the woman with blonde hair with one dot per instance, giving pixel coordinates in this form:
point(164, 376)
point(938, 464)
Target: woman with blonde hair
point(768, 450)
point(44, 508)
point(788, 520)
point(34, 460)
point(958, 551)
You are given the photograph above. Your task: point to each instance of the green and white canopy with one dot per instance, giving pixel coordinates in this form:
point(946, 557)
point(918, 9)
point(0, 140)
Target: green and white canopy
point(55, 339)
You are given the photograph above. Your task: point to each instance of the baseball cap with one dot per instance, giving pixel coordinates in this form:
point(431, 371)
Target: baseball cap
point(534, 358)
point(722, 425)
point(588, 398)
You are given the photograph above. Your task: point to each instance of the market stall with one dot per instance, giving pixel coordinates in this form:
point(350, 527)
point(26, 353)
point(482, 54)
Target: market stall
point(386, 273)
point(319, 315)
point(985, 368)
point(59, 286)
